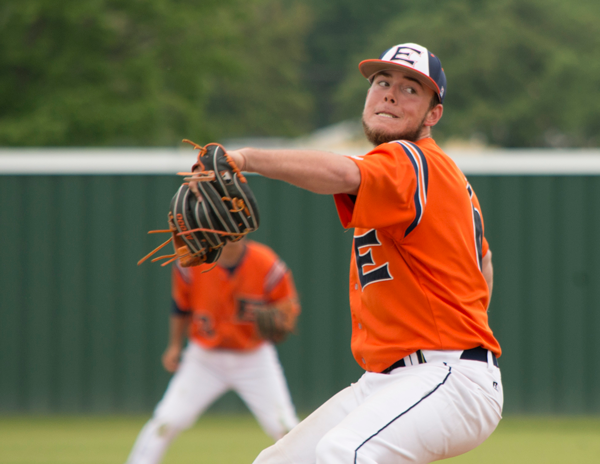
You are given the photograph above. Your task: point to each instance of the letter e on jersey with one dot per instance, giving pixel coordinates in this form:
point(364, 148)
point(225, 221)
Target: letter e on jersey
point(378, 274)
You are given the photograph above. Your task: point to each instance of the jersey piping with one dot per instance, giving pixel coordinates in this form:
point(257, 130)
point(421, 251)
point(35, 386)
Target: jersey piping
point(419, 163)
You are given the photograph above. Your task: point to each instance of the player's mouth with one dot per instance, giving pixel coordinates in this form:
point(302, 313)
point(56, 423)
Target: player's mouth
point(387, 115)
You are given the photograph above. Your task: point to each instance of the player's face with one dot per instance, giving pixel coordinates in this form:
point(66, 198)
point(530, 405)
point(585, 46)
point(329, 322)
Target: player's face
point(232, 252)
point(398, 107)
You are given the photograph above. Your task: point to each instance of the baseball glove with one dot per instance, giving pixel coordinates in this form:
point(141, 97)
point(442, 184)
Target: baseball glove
point(275, 322)
point(227, 211)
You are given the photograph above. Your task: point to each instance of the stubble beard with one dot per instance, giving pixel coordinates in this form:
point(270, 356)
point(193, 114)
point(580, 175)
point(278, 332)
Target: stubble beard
point(377, 137)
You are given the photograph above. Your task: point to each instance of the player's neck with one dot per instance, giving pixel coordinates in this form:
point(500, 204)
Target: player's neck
point(232, 254)
point(425, 133)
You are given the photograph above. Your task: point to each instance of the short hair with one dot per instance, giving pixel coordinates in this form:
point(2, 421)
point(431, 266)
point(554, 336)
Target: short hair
point(435, 100)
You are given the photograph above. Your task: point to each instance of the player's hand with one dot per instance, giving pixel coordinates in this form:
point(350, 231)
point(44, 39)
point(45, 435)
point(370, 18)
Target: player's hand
point(170, 358)
point(194, 187)
point(238, 158)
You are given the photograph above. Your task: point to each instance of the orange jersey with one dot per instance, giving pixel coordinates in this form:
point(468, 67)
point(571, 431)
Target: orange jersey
point(415, 273)
point(221, 301)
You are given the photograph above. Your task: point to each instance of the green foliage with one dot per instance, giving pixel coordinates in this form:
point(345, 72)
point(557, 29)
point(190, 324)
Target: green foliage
point(520, 72)
point(340, 29)
point(269, 98)
point(151, 72)
point(132, 72)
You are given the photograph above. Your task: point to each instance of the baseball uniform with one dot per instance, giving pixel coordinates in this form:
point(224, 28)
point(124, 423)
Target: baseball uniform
point(225, 351)
point(418, 298)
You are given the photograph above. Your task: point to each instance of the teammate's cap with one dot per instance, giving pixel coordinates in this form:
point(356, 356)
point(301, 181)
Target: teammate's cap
point(417, 60)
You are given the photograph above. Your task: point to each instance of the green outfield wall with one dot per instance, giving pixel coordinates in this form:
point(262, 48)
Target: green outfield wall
point(82, 327)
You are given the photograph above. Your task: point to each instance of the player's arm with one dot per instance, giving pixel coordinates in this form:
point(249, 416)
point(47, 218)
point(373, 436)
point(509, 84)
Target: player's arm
point(488, 270)
point(277, 319)
point(318, 171)
point(180, 317)
point(285, 297)
point(178, 325)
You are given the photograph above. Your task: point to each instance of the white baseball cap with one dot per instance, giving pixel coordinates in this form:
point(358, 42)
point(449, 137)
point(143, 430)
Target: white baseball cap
point(417, 60)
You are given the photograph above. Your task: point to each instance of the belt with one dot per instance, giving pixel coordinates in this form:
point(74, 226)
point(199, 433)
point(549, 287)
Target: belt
point(474, 354)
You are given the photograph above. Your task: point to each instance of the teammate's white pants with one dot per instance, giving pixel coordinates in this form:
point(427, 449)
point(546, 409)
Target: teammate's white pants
point(415, 414)
point(203, 376)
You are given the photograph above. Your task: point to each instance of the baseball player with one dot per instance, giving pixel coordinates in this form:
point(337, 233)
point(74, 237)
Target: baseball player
point(420, 282)
point(225, 351)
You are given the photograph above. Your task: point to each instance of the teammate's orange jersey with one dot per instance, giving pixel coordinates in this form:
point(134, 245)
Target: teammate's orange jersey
point(221, 301)
point(415, 274)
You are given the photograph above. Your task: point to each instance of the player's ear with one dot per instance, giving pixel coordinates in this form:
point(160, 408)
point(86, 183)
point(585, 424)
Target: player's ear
point(434, 115)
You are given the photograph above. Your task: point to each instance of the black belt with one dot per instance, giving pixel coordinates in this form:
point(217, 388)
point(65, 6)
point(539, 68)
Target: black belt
point(474, 354)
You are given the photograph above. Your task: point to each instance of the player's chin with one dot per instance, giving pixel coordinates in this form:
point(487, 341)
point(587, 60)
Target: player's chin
point(384, 132)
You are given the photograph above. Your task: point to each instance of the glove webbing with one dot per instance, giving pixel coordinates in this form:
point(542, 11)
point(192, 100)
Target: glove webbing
point(175, 256)
point(237, 204)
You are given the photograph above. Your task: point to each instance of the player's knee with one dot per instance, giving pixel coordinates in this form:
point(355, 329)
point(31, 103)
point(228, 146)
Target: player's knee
point(278, 430)
point(169, 427)
point(332, 448)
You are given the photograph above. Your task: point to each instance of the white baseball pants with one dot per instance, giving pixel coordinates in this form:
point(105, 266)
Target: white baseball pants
point(415, 414)
point(203, 376)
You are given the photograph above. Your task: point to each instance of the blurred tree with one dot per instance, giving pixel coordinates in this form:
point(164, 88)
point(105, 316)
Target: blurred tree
point(269, 98)
point(133, 72)
point(521, 73)
point(340, 29)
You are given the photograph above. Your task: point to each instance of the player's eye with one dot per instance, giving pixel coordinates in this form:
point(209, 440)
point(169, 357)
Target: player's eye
point(380, 80)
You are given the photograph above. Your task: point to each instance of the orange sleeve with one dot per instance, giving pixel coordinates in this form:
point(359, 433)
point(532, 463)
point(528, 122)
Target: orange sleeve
point(279, 286)
point(386, 195)
point(181, 287)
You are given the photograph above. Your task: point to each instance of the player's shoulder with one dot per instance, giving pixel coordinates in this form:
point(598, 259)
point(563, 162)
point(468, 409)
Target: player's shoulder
point(426, 146)
point(185, 274)
point(424, 151)
point(265, 262)
point(405, 150)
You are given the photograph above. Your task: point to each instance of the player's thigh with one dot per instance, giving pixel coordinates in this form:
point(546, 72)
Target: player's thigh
point(299, 445)
point(409, 418)
point(261, 383)
point(194, 386)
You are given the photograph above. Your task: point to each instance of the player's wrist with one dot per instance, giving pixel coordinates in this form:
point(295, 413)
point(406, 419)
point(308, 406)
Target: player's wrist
point(242, 159)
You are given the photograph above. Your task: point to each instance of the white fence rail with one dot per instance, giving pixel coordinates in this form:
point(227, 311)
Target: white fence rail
point(77, 161)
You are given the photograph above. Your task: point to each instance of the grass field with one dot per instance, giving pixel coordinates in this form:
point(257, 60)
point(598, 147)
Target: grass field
point(231, 439)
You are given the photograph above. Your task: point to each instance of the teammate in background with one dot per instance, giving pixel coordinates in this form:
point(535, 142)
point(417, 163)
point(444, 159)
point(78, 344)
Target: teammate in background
point(420, 282)
point(225, 351)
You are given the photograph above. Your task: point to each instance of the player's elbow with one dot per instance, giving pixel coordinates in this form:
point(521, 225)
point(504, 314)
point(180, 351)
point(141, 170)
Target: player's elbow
point(350, 180)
